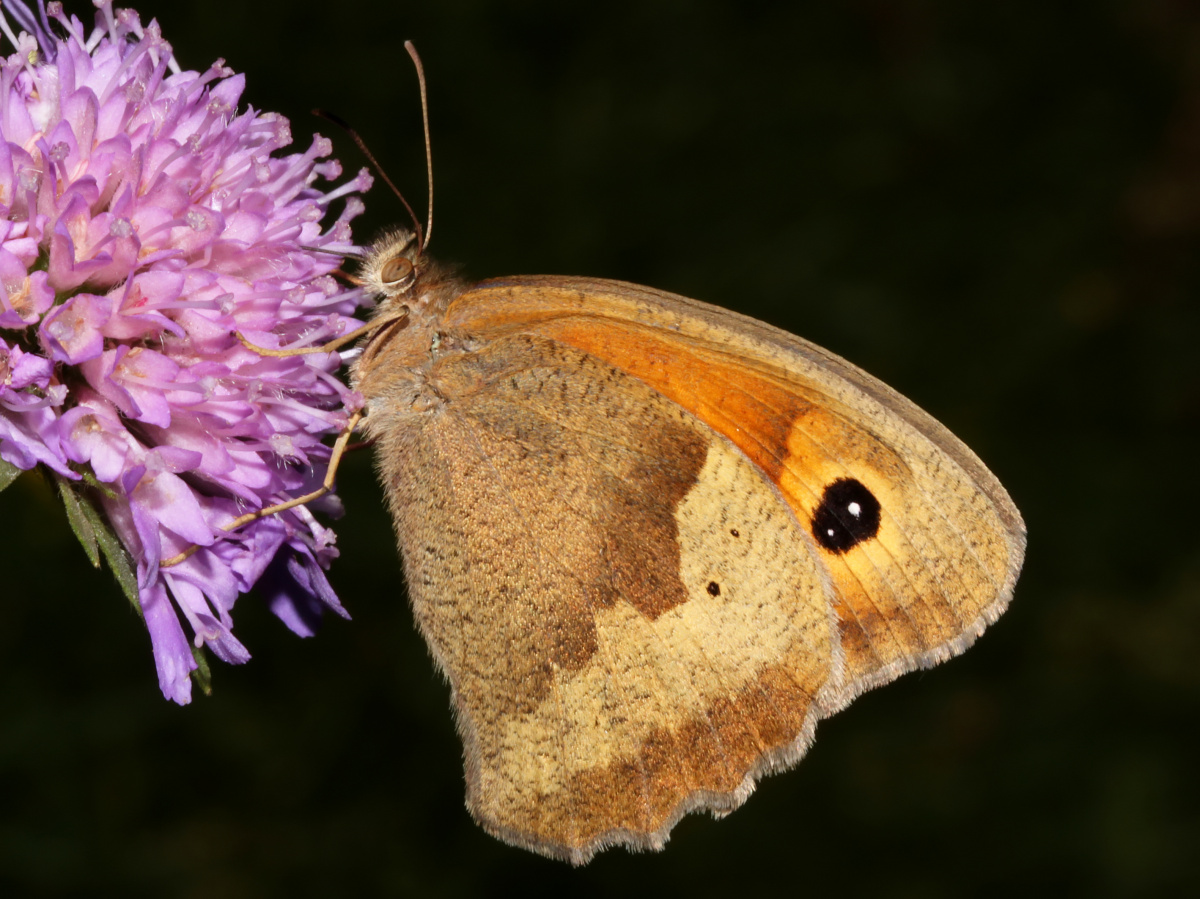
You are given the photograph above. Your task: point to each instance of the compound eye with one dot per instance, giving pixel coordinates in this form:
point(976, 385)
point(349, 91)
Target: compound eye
point(396, 271)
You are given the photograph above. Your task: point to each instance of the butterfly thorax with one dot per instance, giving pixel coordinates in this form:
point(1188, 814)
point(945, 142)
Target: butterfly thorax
point(414, 291)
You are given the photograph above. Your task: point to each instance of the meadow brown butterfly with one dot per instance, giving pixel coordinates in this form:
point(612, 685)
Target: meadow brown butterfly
point(651, 543)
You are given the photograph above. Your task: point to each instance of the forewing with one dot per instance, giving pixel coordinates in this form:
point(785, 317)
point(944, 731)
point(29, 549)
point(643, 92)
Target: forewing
point(941, 563)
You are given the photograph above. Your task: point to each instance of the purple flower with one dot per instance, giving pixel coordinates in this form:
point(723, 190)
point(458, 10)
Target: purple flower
point(145, 223)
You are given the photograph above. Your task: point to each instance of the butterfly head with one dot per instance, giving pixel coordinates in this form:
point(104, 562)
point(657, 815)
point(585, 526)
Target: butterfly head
point(412, 294)
point(392, 269)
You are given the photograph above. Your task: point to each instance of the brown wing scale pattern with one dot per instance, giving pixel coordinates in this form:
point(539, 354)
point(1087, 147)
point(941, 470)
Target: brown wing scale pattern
point(742, 532)
point(602, 693)
point(945, 559)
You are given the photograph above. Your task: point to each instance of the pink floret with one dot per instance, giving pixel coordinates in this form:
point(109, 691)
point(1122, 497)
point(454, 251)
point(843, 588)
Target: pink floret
point(144, 222)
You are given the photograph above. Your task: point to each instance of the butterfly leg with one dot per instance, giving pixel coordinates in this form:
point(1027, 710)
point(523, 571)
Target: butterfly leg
point(369, 328)
point(335, 459)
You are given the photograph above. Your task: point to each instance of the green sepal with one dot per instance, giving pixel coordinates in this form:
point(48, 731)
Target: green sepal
point(94, 534)
point(8, 473)
point(203, 674)
point(80, 524)
point(90, 480)
point(116, 557)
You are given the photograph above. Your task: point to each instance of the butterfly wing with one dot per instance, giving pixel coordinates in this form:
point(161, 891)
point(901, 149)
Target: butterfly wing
point(950, 542)
point(651, 542)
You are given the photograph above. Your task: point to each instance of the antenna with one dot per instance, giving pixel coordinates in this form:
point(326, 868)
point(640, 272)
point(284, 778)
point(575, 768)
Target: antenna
point(423, 235)
point(362, 145)
point(412, 52)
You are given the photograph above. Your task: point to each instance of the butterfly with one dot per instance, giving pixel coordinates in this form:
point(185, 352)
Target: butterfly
point(651, 542)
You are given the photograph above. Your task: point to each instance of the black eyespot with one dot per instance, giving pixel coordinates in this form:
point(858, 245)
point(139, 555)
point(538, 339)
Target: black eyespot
point(847, 516)
point(396, 270)
point(714, 589)
point(734, 532)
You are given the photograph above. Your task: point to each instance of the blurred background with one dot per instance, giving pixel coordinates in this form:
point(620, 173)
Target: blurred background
point(994, 207)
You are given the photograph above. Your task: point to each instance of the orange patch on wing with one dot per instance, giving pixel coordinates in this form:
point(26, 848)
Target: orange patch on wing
point(797, 438)
point(752, 410)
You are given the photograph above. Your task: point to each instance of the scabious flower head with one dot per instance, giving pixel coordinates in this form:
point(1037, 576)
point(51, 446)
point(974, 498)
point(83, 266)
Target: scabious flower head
point(144, 224)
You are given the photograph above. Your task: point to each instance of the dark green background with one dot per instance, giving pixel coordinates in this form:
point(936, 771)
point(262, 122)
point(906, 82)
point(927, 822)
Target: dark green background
point(993, 206)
